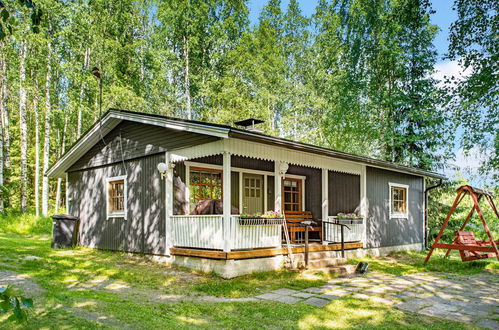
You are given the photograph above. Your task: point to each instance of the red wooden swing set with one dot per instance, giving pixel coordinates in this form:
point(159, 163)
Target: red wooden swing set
point(469, 248)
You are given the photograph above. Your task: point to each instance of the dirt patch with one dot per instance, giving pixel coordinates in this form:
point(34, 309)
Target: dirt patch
point(21, 282)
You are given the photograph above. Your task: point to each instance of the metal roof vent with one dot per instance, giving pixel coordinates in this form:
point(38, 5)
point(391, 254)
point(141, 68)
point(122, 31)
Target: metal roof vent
point(249, 124)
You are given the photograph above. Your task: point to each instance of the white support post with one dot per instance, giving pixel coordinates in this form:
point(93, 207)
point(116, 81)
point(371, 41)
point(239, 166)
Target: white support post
point(364, 204)
point(277, 187)
point(265, 189)
point(168, 204)
point(325, 194)
point(226, 201)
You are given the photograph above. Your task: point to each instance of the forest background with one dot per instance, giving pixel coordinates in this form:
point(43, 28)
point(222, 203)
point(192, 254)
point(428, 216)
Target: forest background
point(356, 76)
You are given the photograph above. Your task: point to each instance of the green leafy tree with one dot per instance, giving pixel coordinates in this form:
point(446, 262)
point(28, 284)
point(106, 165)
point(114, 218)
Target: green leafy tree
point(475, 103)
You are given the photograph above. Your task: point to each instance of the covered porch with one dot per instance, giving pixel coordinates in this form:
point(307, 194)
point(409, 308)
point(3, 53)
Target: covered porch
point(244, 177)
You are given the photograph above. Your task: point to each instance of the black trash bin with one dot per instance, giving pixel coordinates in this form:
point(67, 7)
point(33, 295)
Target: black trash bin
point(64, 230)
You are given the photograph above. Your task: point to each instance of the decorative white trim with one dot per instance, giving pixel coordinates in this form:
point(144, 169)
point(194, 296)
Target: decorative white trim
point(398, 215)
point(226, 174)
point(364, 202)
point(266, 152)
point(125, 198)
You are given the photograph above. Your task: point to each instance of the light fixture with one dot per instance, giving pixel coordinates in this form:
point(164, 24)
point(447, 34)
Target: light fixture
point(162, 168)
point(283, 168)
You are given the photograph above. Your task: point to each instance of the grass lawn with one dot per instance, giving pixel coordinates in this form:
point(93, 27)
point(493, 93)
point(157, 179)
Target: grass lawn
point(87, 288)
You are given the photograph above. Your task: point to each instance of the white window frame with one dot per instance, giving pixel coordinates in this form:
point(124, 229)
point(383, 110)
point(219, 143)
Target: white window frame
point(241, 171)
point(112, 215)
point(398, 215)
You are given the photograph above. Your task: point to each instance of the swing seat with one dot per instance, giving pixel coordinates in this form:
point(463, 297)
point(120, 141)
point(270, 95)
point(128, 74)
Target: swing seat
point(467, 238)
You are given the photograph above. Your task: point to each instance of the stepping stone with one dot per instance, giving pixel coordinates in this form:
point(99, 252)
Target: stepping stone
point(287, 300)
point(284, 291)
point(268, 296)
point(438, 310)
point(414, 305)
point(328, 296)
point(491, 324)
point(384, 301)
point(314, 290)
point(361, 296)
point(317, 302)
point(303, 295)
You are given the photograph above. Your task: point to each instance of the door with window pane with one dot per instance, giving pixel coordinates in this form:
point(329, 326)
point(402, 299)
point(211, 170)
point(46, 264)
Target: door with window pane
point(292, 190)
point(253, 193)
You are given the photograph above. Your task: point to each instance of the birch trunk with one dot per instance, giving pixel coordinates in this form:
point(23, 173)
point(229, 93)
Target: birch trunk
point(187, 82)
point(3, 102)
point(37, 156)
point(46, 138)
point(61, 152)
point(23, 125)
point(86, 62)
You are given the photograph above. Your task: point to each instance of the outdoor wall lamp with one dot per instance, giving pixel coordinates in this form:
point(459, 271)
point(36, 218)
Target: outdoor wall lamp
point(162, 168)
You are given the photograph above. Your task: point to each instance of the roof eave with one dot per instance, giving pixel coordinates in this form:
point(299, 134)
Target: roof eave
point(236, 133)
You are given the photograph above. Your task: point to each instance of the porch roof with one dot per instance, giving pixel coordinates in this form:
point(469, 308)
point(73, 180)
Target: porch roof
point(243, 142)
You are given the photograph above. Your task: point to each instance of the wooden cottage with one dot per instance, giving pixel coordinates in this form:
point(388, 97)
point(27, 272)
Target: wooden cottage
point(136, 181)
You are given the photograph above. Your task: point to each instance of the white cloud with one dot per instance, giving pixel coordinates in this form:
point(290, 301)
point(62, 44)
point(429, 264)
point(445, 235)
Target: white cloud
point(450, 68)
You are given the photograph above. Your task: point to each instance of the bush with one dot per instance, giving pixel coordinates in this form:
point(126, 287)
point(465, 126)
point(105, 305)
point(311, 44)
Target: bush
point(24, 223)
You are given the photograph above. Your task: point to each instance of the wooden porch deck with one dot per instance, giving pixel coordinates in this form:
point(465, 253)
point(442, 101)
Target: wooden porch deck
point(259, 253)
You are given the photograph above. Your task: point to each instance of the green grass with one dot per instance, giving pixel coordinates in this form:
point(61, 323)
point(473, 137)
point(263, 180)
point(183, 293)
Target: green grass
point(24, 223)
point(410, 262)
point(68, 301)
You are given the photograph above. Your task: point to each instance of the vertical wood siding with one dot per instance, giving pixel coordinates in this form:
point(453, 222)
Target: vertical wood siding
point(343, 192)
point(313, 188)
point(137, 140)
point(383, 231)
point(144, 229)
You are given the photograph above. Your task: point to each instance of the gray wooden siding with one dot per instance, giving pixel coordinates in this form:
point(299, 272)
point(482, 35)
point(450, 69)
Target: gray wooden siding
point(137, 140)
point(313, 188)
point(343, 192)
point(383, 231)
point(144, 229)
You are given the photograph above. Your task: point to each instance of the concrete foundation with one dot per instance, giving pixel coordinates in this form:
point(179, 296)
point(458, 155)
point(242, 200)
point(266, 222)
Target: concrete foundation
point(231, 268)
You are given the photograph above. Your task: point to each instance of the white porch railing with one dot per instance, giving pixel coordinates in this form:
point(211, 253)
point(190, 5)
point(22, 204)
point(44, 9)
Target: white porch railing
point(198, 231)
point(332, 233)
point(206, 232)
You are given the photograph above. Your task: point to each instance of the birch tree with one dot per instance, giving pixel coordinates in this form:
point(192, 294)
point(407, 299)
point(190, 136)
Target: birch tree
point(23, 126)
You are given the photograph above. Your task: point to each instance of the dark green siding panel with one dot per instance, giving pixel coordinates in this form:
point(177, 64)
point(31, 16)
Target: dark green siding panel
point(234, 187)
point(270, 193)
point(313, 188)
point(137, 140)
point(383, 231)
point(144, 229)
point(343, 192)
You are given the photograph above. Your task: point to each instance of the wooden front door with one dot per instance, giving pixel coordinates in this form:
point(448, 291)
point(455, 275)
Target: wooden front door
point(253, 193)
point(292, 191)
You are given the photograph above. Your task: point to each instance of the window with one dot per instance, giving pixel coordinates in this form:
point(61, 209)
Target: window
point(292, 194)
point(205, 184)
point(116, 197)
point(398, 200)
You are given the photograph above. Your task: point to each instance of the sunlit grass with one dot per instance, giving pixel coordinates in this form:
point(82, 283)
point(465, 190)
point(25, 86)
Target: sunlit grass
point(402, 263)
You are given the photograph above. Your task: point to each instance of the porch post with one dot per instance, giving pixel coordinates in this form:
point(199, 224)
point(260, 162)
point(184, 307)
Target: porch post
point(168, 204)
point(226, 201)
point(364, 207)
point(325, 194)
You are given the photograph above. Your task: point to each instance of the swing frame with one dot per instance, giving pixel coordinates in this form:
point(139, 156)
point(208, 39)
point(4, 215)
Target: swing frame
point(476, 195)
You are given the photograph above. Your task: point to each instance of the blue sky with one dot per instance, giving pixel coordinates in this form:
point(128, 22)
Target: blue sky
point(443, 18)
